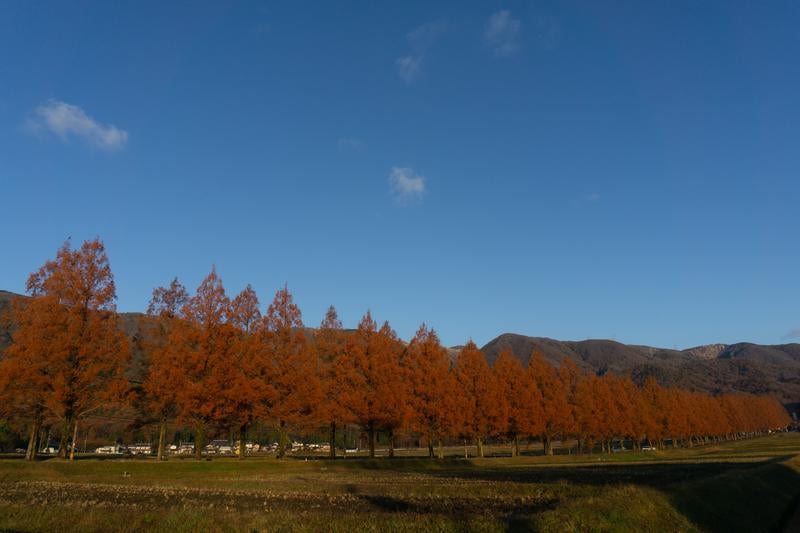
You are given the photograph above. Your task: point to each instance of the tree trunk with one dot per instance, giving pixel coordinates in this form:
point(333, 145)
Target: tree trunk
point(45, 437)
point(515, 450)
point(430, 447)
point(199, 438)
point(441, 449)
point(62, 443)
point(391, 443)
point(74, 441)
point(466, 449)
point(479, 442)
point(548, 444)
point(333, 439)
point(162, 438)
point(242, 441)
point(30, 454)
point(282, 439)
point(372, 438)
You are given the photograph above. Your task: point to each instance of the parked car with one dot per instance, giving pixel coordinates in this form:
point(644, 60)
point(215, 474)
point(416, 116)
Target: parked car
point(648, 448)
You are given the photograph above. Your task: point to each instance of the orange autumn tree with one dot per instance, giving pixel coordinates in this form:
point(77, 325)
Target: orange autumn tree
point(370, 384)
point(651, 395)
point(482, 404)
point(608, 412)
point(201, 343)
point(570, 375)
point(556, 410)
point(641, 414)
point(23, 371)
point(67, 335)
point(622, 409)
point(165, 370)
point(292, 370)
point(331, 345)
point(521, 396)
point(587, 414)
point(426, 369)
point(393, 394)
point(246, 372)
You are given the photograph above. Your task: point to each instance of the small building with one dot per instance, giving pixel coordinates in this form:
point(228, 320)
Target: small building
point(141, 448)
point(111, 449)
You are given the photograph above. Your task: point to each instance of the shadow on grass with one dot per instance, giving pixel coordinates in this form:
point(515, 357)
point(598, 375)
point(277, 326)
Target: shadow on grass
point(516, 516)
point(763, 498)
point(649, 474)
point(716, 496)
point(653, 474)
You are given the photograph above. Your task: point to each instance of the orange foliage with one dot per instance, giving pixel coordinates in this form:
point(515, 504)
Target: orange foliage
point(68, 354)
point(427, 376)
point(218, 365)
point(292, 369)
point(371, 390)
point(482, 407)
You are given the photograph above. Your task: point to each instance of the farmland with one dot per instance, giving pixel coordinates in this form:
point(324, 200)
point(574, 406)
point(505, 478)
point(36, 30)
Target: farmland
point(748, 485)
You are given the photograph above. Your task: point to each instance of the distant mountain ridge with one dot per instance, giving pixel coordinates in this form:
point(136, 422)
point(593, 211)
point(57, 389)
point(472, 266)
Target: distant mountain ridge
point(714, 368)
point(743, 367)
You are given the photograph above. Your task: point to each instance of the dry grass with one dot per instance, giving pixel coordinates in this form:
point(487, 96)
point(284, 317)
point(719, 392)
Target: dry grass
point(678, 490)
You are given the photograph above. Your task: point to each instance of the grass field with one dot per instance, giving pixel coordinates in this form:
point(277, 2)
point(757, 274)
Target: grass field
point(749, 485)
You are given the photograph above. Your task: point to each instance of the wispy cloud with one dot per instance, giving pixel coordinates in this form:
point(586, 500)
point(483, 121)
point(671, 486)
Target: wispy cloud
point(66, 120)
point(420, 39)
point(502, 33)
point(406, 184)
point(408, 67)
point(350, 143)
point(793, 334)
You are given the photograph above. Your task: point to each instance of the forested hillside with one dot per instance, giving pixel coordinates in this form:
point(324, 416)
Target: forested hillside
point(741, 367)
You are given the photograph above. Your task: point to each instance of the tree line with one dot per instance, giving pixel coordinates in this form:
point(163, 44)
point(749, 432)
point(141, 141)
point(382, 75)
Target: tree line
point(216, 363)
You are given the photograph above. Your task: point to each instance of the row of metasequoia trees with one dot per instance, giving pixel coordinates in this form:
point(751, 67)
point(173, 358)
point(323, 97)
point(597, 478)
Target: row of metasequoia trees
point(217, 364)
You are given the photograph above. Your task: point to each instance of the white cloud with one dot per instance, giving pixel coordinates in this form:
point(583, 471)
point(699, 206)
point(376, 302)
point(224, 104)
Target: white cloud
point(420, 39)
point(502, 33)
point(67, 120)
point(408, 67)
point(406, 184)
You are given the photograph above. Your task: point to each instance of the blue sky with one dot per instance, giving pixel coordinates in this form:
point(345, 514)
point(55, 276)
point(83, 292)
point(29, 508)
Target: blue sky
point(622, 170)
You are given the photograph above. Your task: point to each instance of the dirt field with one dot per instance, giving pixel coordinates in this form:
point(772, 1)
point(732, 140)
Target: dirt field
point(746, 486)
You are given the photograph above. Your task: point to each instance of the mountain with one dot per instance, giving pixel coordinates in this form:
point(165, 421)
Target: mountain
point(743, 367)
point(715, 368)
